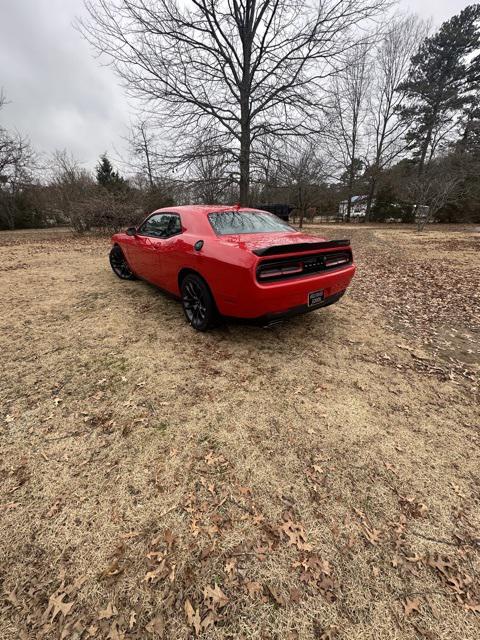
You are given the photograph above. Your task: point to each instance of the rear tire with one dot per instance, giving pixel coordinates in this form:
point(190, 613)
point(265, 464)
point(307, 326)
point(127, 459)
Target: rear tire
point(119, 264)
point(198, 303)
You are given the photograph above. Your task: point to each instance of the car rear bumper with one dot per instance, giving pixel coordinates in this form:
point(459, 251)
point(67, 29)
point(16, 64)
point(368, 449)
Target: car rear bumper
point(273, 318)
point(289, 297)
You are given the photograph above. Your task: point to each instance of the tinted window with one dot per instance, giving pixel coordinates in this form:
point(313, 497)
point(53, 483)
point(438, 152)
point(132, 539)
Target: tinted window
point(234, 222)
point(162, 225)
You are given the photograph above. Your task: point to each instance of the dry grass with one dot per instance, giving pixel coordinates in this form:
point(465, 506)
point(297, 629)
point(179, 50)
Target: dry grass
point(346, 440)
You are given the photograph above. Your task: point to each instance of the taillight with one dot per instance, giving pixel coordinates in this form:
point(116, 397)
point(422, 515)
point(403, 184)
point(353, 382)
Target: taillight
point(336, 260)
point(267, 272)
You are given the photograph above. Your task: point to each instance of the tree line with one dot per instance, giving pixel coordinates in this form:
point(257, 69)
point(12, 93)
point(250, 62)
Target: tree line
point(262, 101)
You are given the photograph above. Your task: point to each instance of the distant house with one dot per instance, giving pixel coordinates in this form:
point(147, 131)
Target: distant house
point(358, 207)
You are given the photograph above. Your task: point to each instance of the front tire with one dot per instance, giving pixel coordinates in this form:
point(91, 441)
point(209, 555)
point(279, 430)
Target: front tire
point(198, 303)
point(119, 264)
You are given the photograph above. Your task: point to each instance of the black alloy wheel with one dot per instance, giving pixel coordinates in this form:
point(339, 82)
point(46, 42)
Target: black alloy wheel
point(119, 264)
point(198, 303)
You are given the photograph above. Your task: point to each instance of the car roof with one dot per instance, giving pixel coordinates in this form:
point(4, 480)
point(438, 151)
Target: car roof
point(203, 209)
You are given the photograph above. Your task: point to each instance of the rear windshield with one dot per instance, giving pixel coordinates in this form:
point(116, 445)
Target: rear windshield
point(233, 222)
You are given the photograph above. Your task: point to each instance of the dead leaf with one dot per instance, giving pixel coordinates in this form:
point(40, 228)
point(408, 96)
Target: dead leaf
point(169, 538)
point(193, 617)
point(156, 626)
point(115, 632)
point(409, 606)
point(372, 535)
point(441, 565)
point(253, 588)
point(209, 620)
point(214, 597)
point(295, 595)
point(56, 606)
point(108, 612)
point(113, 569)
point(230, 566)
point(130, 535)
point(324, 634)
point(161, 572)
point(295, 534)
point(276, 595)
point(12, 597)
point(132, 620)
point(424, 633)
point(54, 509)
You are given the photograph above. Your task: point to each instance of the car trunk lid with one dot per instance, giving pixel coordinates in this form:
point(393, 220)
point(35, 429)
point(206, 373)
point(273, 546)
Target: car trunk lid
point(268, 244)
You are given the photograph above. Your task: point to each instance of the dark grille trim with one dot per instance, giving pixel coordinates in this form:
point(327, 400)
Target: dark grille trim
point(301, 246)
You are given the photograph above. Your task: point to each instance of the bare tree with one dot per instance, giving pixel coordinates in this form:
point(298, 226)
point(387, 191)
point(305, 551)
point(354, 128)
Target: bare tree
point(144, 150)
point(302, 171)
point(17, 163)
point(391, 64)
point(211, 173)
point(442, 180)
point(350, 102)
point(266, 171)
point(73, 186)
point(246, 68)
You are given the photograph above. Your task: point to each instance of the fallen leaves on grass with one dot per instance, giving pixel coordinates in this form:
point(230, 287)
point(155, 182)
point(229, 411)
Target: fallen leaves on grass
point(276, 595)
point(108, 612)
point(193, 617)
point(156, 626)
point(253, 588)
point(56, 606)
point(214, 597)
point(317, 573)
point(411, 605)
point(330, 633)
point(374, 536)
point(295, 533)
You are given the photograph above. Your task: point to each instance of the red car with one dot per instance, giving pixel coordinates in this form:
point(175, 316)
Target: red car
point(233, 262)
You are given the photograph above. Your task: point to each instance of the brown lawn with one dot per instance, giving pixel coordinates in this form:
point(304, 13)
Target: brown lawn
point(315, 480)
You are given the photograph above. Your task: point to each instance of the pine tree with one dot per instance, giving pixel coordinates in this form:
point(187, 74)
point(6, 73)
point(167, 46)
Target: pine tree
point(437, 87)
point(469, 141)
point(106, 175)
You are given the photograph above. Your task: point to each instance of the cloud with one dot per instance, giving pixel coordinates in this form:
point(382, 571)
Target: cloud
point(59, 94)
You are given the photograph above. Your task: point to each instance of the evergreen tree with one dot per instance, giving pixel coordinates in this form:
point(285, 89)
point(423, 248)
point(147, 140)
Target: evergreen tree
point(469, 141)
point(437, 87)
point(106, 175)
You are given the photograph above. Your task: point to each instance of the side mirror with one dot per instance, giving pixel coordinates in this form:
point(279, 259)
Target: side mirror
point(131, 231)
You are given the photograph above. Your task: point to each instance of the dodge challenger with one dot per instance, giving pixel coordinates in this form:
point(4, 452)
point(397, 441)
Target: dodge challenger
point(233, 261)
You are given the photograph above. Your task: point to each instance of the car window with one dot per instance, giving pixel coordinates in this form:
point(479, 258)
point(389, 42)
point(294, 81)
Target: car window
point(233, 222)
point(162, 225)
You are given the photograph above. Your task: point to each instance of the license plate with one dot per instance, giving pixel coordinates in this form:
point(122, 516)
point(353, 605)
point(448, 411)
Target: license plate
point(315, 297)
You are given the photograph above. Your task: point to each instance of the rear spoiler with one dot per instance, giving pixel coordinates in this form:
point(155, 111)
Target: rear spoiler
point(301, 246)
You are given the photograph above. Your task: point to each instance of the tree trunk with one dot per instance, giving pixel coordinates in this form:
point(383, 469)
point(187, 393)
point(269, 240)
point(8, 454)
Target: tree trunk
point(302, 215)
point(350, 193)
point(147, 157)
point(370, 196)
point(245, 162)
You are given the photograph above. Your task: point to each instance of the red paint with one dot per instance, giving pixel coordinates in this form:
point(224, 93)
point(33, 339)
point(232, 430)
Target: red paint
point(227, 264)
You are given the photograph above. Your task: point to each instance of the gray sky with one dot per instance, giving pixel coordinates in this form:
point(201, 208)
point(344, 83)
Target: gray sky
point(61, 96)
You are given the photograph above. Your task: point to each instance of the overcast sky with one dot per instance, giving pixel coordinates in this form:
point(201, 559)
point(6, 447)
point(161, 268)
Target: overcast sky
point(61, 96)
